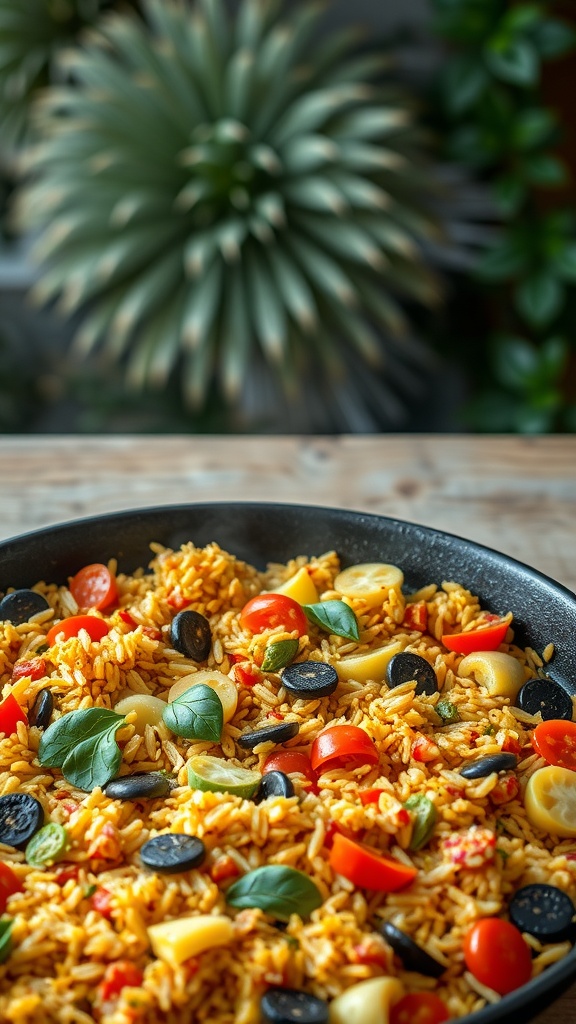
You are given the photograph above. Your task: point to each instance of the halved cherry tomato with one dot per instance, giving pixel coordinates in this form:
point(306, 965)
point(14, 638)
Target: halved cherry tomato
point(96, 628)
point(116, 977)
point(555, 741)
point(342, 745)
point(419, 1008)
point(10, 714)
point(267, 611)
point(367, 868)
point(9, 884)
point(496, 954)
point(290, 761)
point(94, 586)
point(486, 638)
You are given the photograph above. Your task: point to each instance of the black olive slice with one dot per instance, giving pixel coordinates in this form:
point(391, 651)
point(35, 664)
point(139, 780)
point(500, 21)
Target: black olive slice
point(486, 765)
point(405, 666)
point(413, 957)
point(270, 733)
point(544, 911)
point(547, 697)
point(292, 1006)
point(21, 816)
point(190, 634)
point(173, 852)
point(310, 679)
point(137, 786)
point(274, 784)
point(41, 711)
point(21, 605)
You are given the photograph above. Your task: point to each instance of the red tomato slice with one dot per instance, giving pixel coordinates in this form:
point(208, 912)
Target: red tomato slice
point(419, 1008)
point(496, 954)
point(9, 884)
point(94, 587)
point(368, 869)
point(555, 740)
point(96, 628)
point(10, 714)
point(487, 638)
point(268, 611)
point(342, 745)
point(290, 761)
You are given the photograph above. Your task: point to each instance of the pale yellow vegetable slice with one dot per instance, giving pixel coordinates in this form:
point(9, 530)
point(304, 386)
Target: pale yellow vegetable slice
point(372, 665)
point(300, 588)
point(221, 684)
point(219, 776)
point(185, 937)
point(369, 581)
point(497, 672)
point(368, 1002)
point(149, 710)
point(550, 801)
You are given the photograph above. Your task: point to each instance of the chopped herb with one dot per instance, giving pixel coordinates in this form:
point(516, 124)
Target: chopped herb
point(42, 649)
point(489, 730)
point(89, 892)
point(502, 853)
point(5, 938)
point(447, 711)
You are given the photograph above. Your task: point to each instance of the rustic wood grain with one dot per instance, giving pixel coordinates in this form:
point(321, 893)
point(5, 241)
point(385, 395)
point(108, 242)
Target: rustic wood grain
point(514, 494)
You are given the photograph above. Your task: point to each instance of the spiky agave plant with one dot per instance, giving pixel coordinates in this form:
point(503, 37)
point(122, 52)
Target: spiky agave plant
point(32, 33)
point(218, 196)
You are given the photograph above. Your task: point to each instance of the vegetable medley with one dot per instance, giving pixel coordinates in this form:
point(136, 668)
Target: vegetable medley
point(307, 644)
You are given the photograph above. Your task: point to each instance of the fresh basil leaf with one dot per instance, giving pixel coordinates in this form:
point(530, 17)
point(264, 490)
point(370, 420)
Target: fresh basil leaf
point(279, 655)
point(5, 938)
point(63, 735)
point(197, 714)
point(335, 616)
point(278, 890)
point(83, 745)
point(424, 822)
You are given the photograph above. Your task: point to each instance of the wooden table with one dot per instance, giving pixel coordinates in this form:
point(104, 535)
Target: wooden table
point(514, 494)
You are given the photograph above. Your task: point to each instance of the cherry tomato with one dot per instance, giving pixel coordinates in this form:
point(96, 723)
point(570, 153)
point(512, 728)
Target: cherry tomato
point(9, 884)
point(267, 611)
point(290, 761)
point(342, 745)
point(555, 741)
point(10, 714)
point(496, 954)
point(116, 977)
point(486, 638)
point(94, 587)
point(367, 868)
point(96, 628)
point(419, 1008)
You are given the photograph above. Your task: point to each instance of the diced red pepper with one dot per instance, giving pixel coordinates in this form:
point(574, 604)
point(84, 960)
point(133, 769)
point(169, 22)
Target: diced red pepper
point(371, 951)
point(276, 715)
point(10, 714)
point(101, 901)
point(334, 829)
point(425, 750)
point(177, 600)
point(471, 849)
point(511, 745)
point(118, 976)
point(127, 618)
point(507, 788)
point(223, 868)
point(34, 667)
point(370, 796)
point(416, 616)
point(246, 674)
point(67, 874)
point(9, 884)
point(485, 638)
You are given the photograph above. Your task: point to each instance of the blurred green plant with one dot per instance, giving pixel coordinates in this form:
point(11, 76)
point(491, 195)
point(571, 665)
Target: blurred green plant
point(233, 200)
point(490, 89)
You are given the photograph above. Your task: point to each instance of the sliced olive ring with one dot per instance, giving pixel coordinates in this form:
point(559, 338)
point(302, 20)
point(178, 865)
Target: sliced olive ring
point(547, 697)
point(486, 765)
point(274, 784)
point(269, 734)
point(21, 816)
point(544, 911)
point(173, 852)
point(292, 1006)
point(404, 667)
point(190, 634)
point(21, 605)
point(413, 957)
point(309, 679)
point(141, 785)
point(41, 710)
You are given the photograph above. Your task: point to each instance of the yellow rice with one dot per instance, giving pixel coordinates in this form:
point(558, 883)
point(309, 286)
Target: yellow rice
point(62, 945)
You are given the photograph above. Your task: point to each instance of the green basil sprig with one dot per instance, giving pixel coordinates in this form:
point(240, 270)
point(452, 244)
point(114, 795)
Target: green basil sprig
point(425, 819)
point(279, 654)
point(5, 938)
point(278, 890)
point(197, 714)
point(83, 744)
point(334, 616)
